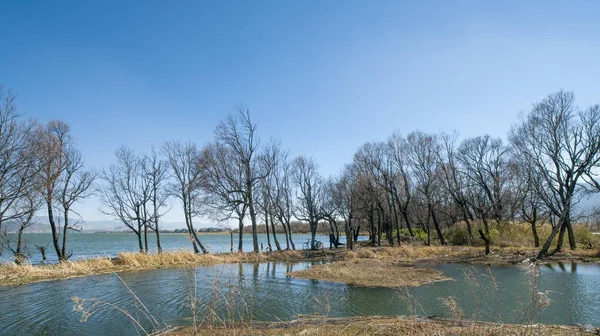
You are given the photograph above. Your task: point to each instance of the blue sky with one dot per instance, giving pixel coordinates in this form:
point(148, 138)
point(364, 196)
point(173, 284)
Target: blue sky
point(321, 76)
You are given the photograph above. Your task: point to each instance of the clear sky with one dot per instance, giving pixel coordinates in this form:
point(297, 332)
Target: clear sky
point(321, 76)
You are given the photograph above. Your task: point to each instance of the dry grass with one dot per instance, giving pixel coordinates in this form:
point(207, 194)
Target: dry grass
point(13, 274)
point(385, 326)
point(370, 273)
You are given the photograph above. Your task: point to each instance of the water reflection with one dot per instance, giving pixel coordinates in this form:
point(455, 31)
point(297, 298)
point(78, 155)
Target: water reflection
point(266, 292)
point(561, 266)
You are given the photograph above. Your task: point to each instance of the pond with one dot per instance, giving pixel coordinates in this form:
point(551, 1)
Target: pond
point(264, 293)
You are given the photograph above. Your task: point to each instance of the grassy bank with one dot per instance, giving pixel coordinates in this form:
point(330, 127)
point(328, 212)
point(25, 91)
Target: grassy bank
point(384, 326)
point(371, 273)
point(12, 274)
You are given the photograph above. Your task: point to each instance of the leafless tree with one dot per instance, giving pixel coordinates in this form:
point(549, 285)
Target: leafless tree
point(269, 162)
point(184, 161)
point(224, 185)
point(28, 204)
point(455, 181)
point(282, 201)
point(484, 164)
point(64, 182)
point(309, 193)
point(125, 192)
point(423, 150)
point(401, 183)
point(156, 172)
point(560, 142)
point(238, 133)
point(345, 195)
point(19, 164)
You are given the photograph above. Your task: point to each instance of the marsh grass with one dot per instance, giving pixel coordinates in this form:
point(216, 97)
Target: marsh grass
point(13, 274)
point(368, 273)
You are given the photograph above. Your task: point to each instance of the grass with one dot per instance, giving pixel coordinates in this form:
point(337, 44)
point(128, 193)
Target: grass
point(520, 249)
point(13, 274)
point(370, 273)
point(384, 326)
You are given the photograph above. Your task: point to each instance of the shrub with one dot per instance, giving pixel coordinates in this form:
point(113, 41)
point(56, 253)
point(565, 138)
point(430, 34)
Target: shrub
point(419, 233)
point(458, 236)
point(584, 236)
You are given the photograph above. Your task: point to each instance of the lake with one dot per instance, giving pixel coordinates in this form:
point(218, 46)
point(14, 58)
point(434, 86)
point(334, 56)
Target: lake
point(88, 245)
point(266, 294)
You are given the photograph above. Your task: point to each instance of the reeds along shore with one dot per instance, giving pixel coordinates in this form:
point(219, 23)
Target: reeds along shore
point(13, 274)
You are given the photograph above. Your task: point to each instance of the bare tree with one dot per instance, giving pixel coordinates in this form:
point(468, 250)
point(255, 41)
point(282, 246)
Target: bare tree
point(560, 142)
point(125, 192)
point(309, 193)
point(402, 186)
point(345, 196)
point(65, 182)
point(455, 181)
point(484, 164)
point(269, 161)
point(19, 150)
point(238, 133)
point(283, 198)
point(423, 150)
point(28, 204)
point(224, 185)
point(156, 172)
point(184, 160)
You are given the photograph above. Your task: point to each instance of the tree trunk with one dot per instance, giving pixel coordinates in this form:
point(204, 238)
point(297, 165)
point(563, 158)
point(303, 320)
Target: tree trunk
point(155, 208)
point(437, 226)
point(64, 256)
point(275, 234)
point(561, 237)
point(55, 234)
point(287, 238)
point(347, 227)
point(139, 234)
point(19, 255)
point(290, 235)
point(486, 240)
point(536, 238)
point(572, 243)
point(240, 233)
point(188, 223)
point(313, 233)
point(470, 239)
point(268, 236)
point(158, 247)
point(544, 251)
point(146, 237)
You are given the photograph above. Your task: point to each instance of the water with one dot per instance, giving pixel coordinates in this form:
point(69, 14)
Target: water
point(46, 308)
point(87, 245)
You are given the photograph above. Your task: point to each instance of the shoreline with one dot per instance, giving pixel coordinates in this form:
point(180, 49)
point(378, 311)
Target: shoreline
point(406, 255)
point(382, 325)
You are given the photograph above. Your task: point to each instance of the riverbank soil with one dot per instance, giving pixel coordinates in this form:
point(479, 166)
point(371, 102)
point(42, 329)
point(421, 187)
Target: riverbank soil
point(385, 326)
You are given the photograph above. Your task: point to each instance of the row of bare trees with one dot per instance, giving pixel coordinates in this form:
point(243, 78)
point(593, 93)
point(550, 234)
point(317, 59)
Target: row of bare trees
point(412, 183)
point(433, 181)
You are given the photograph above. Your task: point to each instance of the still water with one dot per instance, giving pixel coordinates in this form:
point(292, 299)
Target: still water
point(266, 294)
point(87, 245)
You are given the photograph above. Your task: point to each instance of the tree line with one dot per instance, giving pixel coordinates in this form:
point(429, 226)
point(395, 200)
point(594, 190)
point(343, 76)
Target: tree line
point(418, 182)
